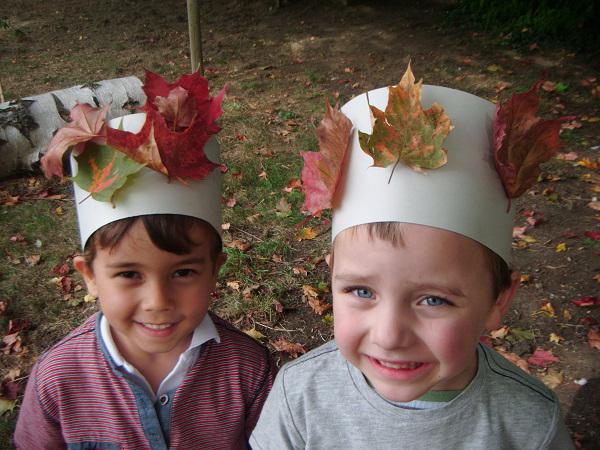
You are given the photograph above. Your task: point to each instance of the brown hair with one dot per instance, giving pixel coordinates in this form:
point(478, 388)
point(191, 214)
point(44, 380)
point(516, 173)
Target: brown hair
point(169, 232)
point(392, 232)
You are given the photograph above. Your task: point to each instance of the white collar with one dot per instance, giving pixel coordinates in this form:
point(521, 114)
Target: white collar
point(204, 332)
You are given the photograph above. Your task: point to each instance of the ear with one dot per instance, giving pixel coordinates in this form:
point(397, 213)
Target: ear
point(87, 273)
point(503, 302)
point(219, 261)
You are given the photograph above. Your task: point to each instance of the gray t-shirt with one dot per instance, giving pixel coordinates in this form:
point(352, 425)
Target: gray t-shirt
point(320, 401)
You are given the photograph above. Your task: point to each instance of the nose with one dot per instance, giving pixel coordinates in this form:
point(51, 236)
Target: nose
point(158, 297)
point(393, 328)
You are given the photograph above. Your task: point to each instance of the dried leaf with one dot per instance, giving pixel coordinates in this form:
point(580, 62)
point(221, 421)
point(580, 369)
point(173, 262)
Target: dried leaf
point(283, 345)
point(553, 378)
point(500, 333)
point(405, 132)
point(307, 233)
point(102, 171)
point(254, 333)
point(587, 300)
point(6, 405)
point(240, 244)
point(548, 309)
point(555, 338)
point(513, 358)
point(235, 285)
point(319, 306)
point(322, 170)
point(542, 358)
point(310, 291)
point(562, 247)
point(522, 141)
point(594, 338)
point(87, 123)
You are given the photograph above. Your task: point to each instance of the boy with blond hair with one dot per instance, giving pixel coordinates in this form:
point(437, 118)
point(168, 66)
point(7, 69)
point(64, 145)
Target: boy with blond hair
point(153, 369)
point(419, 266)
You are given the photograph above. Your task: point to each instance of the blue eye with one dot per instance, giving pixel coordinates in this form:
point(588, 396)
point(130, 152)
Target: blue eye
point(434, 301)
point(362, 293)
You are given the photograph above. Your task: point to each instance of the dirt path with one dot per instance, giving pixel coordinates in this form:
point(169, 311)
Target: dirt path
point(281, 63)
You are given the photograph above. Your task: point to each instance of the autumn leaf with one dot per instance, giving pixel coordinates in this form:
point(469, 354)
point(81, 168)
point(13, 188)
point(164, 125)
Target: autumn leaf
point(140, 146)
point(522, 141)
point(594, 338)
point(254, 333)
point(588, 300)
point(405, 132)
point(319, 306)
point(553, 378)
point(513, 358)
point(307, 233)
point(500, 333)
point(322, 170)
point(283, 345)
point(102, 171)
point(87, 123)
point(542, 358)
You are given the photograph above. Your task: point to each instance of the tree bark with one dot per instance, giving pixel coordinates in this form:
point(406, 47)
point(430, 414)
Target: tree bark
point(195, 30)
point(28, 124)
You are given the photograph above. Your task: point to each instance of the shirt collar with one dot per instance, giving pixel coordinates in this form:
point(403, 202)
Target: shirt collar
point(204, 332)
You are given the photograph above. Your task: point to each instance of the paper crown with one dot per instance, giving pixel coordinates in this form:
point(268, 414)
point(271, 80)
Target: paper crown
point(465, 195)
point(151, 192)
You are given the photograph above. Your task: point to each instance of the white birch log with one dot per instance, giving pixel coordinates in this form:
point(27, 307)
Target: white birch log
point(28, 124)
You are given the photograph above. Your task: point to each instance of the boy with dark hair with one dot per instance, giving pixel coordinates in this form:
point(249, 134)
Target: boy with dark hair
point(419, 270)
point(154, 369)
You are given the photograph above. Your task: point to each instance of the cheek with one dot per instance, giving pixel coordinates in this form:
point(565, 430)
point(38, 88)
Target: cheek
point(454, 343)
point(346, 328)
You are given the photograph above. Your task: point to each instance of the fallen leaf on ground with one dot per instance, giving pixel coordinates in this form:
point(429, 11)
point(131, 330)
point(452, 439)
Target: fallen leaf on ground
point(225, 226)
point(299, 271)
point(235, 285)
point(513, 358)
point(230, 202)
point(594, 235)
point(283, 345)
point(254, 333)
point(588, 300)
point(32, 260)
point(542, 358)
point(61, 269)
point(294, 183)
point(309, 291)
point(240, 244)
point(319, 306)
point(277, 258)
point(306, 233)
point(562, 247)
point(594, 338)
point(587, 163)
point(555, 338)
point(548, 309)
point(17, 238)
point(500, 333)
point(571, 156)
point(553, 378)
point(594, 205)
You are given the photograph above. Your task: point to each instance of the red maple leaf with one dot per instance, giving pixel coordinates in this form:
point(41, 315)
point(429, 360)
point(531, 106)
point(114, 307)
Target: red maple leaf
point(542, 358)
point(522, 141)
point(322, 170)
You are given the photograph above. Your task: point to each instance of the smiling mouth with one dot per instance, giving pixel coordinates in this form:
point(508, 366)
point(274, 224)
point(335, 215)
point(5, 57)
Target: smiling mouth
point(399, 365)
point(157, 326)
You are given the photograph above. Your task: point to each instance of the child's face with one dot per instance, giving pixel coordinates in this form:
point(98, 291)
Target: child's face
point(410, 316)
point(152, 299)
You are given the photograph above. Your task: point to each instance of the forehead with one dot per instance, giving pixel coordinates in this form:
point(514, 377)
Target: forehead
point(418, 244)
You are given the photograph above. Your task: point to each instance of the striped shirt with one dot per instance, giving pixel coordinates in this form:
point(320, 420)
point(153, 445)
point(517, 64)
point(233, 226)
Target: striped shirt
point(76, 398)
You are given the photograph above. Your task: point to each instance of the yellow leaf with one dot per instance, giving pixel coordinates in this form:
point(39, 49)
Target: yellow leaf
point(562, 247)
point(553, 378)
point(500, 333)
point(548, 309)
point(567, 314)
point(254, 333)
point(307, 233)
point(310, 291)
point(525, 278)
point(493, 68)
point(554, 338)
point(89, 298)
point(6, 405)
point(235, 285)
point(528, 239)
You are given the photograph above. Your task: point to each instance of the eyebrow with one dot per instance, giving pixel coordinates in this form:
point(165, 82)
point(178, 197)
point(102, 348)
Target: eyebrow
point(127, 264)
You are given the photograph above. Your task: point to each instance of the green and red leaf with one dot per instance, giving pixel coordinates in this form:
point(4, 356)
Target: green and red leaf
point(522, 141)
point(322, 170)
point(405, 132)
point(102, 171)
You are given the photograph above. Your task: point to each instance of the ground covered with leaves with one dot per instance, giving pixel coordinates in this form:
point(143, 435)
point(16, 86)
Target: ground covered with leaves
point(281, 64)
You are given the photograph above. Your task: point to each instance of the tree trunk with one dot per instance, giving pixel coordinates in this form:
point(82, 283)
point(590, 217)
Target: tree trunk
point(28, 124)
